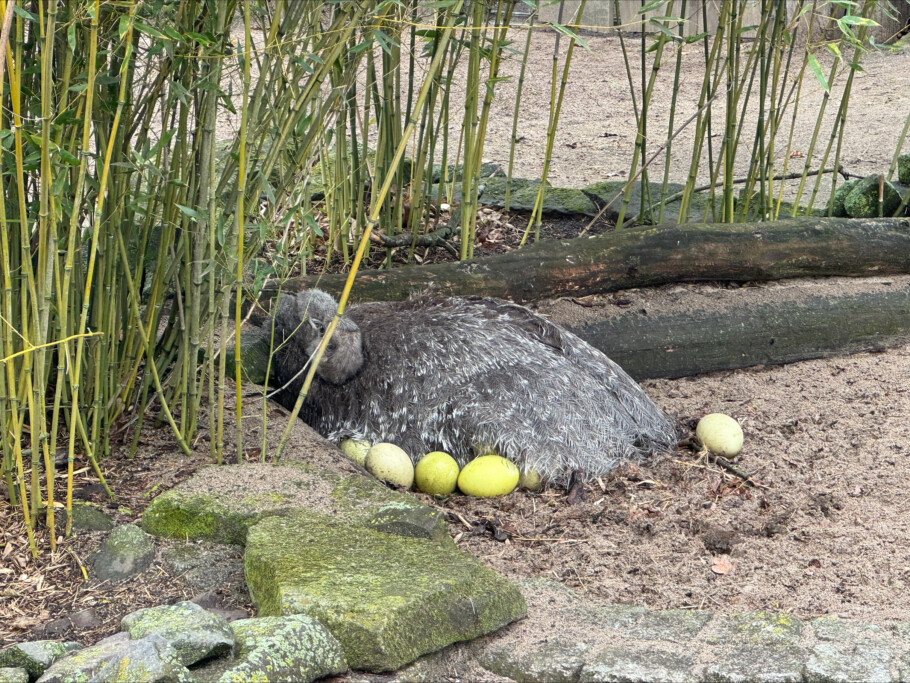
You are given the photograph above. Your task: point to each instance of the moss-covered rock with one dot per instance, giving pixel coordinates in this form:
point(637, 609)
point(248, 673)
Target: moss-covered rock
point(838, 210)
point(35, 656)
point(191, 515)
point(255, 349)
point(387, 599)
point(275, 649)
point(13, 675)
point(120, 661)
point(194, 633)
point(220, 503)
point(87, 517)
point(759, 628)
point(126, 551)
point(413, 521)
point(903, 169)
point(862, 200)
point(523, 195)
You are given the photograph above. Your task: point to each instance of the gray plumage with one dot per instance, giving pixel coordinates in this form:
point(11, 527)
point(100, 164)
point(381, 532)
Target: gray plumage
point(466, 375)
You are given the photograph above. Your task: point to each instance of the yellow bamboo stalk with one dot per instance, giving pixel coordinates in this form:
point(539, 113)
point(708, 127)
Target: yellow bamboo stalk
point(241, 219)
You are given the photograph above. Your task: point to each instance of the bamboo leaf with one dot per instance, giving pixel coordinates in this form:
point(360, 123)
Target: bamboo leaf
point(312, 224)
point(663, 29)
point(359, 47)
point(149, 31)
point(385, 42)
point(25, 14)
point(653, 5)
point(854, 20)
point(696, 37)
point(569, 33)
point(817, 70)
point(203, 40)
point(187, 211)
point(71, 36)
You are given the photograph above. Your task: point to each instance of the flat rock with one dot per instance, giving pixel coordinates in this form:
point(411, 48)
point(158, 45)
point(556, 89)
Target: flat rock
point(85, 619)
point(758, 628)
point(555, 661)
point(767, 663)
point(832, 663)
point(840, 630)
point(387, 599)
point(624, 665)
point(207, 567)
point(87, 517)
point(126, 551)
point(220, 504)
point(150, 660)
point(274, 649)
point(35, 656)
point(676, 625)
point(194, 633)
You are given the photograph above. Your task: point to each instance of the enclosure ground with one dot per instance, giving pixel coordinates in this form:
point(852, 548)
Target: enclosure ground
point(822, 532)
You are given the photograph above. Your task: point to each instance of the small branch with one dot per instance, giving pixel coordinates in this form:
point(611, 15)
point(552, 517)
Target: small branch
point(733, 469)
point(437, 238)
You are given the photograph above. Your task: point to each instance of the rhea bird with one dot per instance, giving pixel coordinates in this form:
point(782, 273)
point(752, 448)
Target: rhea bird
point(468, 376)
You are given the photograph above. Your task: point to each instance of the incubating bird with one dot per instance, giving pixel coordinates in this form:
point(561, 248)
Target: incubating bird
point(468, 376)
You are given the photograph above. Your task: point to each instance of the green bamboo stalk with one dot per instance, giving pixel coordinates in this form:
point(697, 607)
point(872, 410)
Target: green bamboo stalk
point(555, 107)
point(469, 126)
point(377, 203)
point(519, 90)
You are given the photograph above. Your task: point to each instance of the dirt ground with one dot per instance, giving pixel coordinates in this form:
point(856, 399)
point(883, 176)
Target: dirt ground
point(822, 532)
point(597, 129)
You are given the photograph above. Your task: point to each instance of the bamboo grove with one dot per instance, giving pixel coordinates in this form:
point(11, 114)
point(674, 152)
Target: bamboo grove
point(135, 222)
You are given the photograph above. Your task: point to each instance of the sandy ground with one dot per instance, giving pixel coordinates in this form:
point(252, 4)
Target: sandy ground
point(597, 126)
point(821, 534)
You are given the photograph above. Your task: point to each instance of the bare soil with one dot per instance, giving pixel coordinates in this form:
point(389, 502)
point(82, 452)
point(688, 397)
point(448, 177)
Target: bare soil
point(820, 530)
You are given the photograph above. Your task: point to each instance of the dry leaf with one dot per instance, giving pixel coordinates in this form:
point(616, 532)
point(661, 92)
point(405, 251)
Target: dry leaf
point(722, 565)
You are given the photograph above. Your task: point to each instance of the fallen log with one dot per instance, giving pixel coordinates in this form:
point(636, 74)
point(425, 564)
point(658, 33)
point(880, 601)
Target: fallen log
point(647, 256)
point(743, 333)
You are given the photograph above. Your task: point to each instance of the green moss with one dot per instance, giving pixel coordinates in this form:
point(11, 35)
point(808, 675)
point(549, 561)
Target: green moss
point(35, 656)
point(840, 194)
point(193, 516)
point(862, 201)
point(762, 628)
point(387, 599)
point(903, 169)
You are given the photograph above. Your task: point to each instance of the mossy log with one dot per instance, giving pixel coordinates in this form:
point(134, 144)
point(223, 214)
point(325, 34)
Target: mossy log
point(743, 335)
point(637, 257)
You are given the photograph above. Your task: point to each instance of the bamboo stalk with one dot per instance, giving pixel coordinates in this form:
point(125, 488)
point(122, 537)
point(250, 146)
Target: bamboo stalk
point(377, 202)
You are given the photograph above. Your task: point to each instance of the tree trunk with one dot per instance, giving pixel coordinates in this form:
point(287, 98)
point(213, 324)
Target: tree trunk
point(647, 256)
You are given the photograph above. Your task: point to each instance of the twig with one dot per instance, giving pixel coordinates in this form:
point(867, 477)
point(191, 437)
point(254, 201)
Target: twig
point(437, 238)
point(733, 469)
